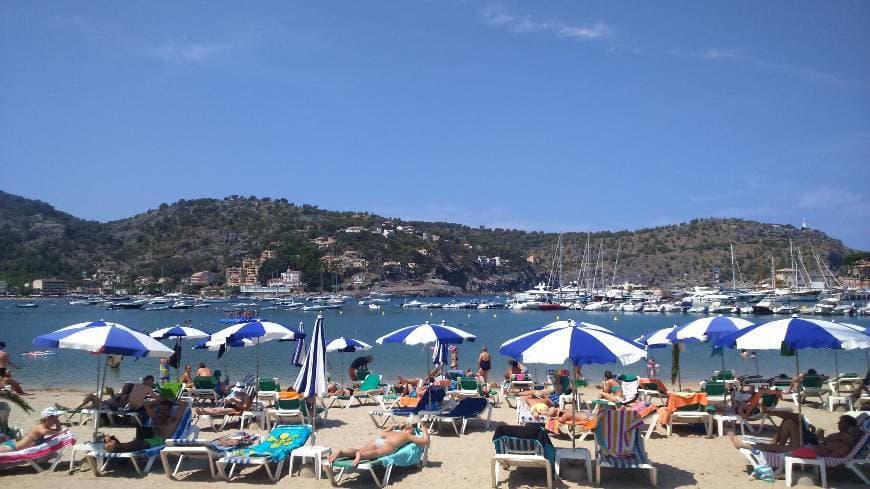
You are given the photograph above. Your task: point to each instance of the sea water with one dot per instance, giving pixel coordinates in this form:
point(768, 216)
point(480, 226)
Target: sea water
point(78, 369)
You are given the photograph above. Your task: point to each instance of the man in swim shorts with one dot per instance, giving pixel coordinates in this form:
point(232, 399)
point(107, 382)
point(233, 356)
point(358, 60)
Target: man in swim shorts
point(165, 415)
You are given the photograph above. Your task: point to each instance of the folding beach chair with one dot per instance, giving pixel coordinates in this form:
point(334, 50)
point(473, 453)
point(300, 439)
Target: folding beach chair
point(522, 446)
point(203, 389)
point(99, 459)
point(429, 401)
point(619, 444)
point(367, 391)
point(458, 417)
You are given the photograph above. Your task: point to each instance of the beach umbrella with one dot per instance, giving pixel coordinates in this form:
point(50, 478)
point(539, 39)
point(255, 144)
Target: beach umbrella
point(581, 345)
point(104, 338)
point(311, 381)
point(708, 329)
point(796, 333)
point(425, 333)
point(346, 345)
point(863, 330)
point(178, 332)
point(440, 354)
point(299, 338)
point(259, 331)
point(656, 339)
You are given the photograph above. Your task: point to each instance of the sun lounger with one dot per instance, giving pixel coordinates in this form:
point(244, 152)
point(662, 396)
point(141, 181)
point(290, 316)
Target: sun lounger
point(855, 460)
point(522, 446)
point(458, 417)
point(50, 451)
point(211, 450)
point(367, 391)
point(811, 386)
point(226, 418)
point(267, 390)
point(203, 389)
point(99, 459)
point(619, 444)
point(274, 449)
point(429, 401)
point(408, 455)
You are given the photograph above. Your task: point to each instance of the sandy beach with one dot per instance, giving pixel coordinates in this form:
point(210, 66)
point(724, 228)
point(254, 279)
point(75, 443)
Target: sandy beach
point(686, 459)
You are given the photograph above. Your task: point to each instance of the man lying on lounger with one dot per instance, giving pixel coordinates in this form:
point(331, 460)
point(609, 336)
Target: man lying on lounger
point(539, 407)
point(164, 422)
point(49, 425)
point(239, 401)
point(389, 441)
point(786, 440)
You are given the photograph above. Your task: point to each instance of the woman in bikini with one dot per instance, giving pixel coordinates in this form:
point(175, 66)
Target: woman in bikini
point(610, 390)
point(389, 441)
point(49, 425)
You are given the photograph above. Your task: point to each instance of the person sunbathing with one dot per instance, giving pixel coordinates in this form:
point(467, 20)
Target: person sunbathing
point(91, 401)
point(334, 389)
point(49, 425)
point(388, 442)
point(408, 385)
point(238, 402)
point(745, 402)
point(164, 423)
point(610, 390)
point(787, 435)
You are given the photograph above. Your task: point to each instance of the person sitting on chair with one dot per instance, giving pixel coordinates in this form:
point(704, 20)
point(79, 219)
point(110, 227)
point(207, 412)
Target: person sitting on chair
point(203, 371)
point(389, 441)
point(238, 402)
point(787, 435)
point(610, 390)
point(49, 425)
point(164, 423)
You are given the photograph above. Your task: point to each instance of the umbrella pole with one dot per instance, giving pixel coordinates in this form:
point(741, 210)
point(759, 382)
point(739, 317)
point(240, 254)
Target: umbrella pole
point(757, 372)
point(574, 407)
point(178, 360)
point(258, 359)
point(797, 362)
point(837, 372)
point(101, 382)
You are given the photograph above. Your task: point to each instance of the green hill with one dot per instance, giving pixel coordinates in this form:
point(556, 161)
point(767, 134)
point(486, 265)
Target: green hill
point(38, 241)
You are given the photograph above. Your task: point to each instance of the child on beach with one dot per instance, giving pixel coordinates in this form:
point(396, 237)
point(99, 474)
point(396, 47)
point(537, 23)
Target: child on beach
point(164, 370)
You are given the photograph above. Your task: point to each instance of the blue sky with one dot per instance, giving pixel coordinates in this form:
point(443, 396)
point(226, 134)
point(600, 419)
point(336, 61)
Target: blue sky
point(552, 116)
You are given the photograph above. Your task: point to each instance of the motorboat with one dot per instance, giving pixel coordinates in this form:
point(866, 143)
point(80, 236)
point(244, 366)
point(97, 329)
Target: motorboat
point(786, 309)
point(431, 305)
point(672, 308)
point(198, 305)
point(596, 306)
point(551, 306)
point(180, 305)
point(651, 307)
point(77, 303)
point(699, 309)
point(412, 304)
point(28, 305)
point(719, 308)
point(764, 306)
point(374, 306)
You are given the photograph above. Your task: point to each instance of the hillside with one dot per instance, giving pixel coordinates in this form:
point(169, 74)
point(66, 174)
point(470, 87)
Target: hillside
point(38, 241)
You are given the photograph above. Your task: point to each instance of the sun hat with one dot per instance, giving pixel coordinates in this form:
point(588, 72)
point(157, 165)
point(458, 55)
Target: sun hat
point(51, 411)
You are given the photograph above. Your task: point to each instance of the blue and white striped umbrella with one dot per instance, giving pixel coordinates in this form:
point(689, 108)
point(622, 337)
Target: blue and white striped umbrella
point(179, 331)
point(555, 345)
point(296, 360)
point(104, 337)
point(256, 330)
point(441, 353)
point(214, 345)
point(656, 339)
point(570, 322)
point(708, 328)
point(311, 380)
point(348, 345)
point(796, 333)
point(426, 333)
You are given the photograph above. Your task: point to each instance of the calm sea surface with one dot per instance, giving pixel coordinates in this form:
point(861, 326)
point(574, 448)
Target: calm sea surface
point(77, 369)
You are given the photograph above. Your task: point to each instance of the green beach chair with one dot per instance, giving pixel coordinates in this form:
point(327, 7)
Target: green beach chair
point(367, 391)
point(267, 390)
point(203, 389)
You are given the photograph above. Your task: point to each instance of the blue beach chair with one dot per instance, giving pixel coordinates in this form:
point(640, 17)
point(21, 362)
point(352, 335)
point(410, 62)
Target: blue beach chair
point(430, 401)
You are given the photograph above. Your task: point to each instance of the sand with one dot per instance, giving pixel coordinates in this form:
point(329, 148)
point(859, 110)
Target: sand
point(686, 459)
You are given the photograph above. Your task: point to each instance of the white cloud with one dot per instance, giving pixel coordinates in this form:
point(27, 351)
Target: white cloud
point(828, 198)
point(191, 51)
point(594, 31)
point(720, 54)
point(498, 16)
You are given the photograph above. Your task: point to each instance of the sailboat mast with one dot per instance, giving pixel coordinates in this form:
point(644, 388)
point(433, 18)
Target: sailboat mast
point(615, 263)
point(733, 270)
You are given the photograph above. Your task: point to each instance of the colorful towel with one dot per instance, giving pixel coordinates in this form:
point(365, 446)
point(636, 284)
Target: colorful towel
point(51, 446)
point(278, 445)
point(615, 431)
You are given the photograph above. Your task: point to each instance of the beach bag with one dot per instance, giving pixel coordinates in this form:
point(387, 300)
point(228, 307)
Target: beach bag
point(764, 473)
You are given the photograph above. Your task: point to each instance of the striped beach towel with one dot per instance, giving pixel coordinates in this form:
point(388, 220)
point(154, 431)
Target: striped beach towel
point(48, 448)
point(618, 438)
